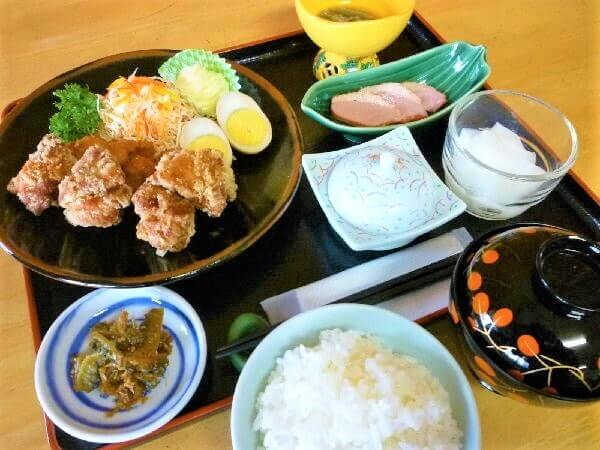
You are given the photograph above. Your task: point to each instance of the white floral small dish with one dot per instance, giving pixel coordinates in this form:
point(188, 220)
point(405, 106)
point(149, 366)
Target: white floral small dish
point(84, 415)
point(380, 194)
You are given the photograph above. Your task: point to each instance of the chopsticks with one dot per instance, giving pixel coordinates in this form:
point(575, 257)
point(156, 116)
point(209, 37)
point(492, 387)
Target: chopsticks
point(371, 296)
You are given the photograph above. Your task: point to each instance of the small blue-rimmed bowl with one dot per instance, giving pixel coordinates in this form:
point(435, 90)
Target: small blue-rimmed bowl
point(83, 415)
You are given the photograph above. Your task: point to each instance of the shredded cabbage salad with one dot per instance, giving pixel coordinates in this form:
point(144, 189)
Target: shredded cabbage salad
point(144, 108)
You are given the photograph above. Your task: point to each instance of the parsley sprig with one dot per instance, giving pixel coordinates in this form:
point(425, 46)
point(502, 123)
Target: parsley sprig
point(77, 114)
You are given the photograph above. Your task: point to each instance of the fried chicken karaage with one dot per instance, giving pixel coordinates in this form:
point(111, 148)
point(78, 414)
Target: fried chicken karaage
point(93, 180)
point(137, 158)
point(166, 219)
point(36, 184)
point(95, 192)
point(200, 176)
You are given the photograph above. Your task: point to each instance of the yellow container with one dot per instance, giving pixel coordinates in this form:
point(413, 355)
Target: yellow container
point(359, 38)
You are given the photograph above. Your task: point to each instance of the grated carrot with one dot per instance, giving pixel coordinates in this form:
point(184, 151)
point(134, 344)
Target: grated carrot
point(144, 108)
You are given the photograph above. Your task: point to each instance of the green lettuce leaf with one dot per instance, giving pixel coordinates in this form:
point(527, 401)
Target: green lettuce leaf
point(170, 69)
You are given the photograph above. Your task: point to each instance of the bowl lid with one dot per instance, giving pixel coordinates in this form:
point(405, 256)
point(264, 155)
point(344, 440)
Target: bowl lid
point(526, 295)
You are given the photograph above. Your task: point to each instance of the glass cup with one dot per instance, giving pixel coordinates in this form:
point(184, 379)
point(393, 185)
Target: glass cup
point(495, 173)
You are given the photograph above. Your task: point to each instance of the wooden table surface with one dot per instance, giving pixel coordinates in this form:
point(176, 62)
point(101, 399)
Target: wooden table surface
point(548, 48)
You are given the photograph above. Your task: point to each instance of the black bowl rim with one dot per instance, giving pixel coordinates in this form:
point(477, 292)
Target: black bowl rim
point(466, 334)
point(73, 277)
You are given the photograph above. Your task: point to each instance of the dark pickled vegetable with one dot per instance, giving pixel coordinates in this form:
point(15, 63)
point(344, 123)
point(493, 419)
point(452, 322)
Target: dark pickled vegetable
point(126, 359)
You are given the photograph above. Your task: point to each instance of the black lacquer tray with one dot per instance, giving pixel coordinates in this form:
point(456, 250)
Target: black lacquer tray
point(301, 247)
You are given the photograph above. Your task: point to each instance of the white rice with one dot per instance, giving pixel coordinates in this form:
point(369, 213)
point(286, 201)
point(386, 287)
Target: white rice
point(350, 392)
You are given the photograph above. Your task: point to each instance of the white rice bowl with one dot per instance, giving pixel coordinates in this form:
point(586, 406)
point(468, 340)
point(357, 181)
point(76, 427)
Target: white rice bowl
point(350, 392)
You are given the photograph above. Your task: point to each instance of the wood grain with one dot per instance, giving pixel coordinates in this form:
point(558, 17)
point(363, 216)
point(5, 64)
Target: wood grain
point(547, 48)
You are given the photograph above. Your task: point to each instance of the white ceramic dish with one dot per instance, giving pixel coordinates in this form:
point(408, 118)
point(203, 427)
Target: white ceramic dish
point(401, 335)
point(83, 415)
point(416, 199)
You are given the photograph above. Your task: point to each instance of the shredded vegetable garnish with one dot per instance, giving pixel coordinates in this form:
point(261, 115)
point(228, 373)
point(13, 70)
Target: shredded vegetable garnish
point(144, 108)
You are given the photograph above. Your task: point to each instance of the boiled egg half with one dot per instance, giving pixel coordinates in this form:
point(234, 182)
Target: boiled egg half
point(202, 133)
point(244, 123)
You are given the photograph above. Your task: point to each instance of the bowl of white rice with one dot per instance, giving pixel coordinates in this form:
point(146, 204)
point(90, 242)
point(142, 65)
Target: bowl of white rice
point(353, 377)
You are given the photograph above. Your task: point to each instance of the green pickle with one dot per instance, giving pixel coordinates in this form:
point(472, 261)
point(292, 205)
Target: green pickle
point(125, 359)
point(85, 372)
point(346, 14)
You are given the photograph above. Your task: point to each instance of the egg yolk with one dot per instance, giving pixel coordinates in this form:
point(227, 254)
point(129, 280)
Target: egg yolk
point(213, 142)
point(247, 127)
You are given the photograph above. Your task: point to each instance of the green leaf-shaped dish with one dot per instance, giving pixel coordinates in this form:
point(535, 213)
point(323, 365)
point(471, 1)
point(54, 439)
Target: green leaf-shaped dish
point(456, 69)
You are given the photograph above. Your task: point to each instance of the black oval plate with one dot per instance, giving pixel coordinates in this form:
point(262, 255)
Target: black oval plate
point(114, 256)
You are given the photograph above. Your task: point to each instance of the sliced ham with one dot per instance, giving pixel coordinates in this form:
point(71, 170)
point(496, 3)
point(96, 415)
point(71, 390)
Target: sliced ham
point(395, 92)
point(408, 104)
point(364, 109)
point(387, 103)
point(431, 98)
point(378, 105)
